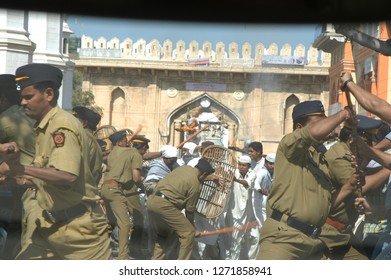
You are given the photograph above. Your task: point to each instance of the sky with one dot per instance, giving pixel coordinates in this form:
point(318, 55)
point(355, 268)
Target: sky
point(240, 33)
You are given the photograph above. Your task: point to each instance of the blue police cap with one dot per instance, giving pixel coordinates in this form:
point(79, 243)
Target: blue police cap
point(117, 136)
point(102, 144)
point(84, 113)
point(8, 87)
point(34, 73)
point(205, 166)
point(366, 124)
point(140, 141)
point(308, 108)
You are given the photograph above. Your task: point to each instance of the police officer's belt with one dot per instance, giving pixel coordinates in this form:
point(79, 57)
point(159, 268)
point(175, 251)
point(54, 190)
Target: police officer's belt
point(343, 228)
point(113, 183)
point(64, 215)
point(305, 228)
point(158, 193)
point(162, 195)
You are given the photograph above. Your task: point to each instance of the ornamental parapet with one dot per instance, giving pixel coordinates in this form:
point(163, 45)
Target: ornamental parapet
point(204, 55)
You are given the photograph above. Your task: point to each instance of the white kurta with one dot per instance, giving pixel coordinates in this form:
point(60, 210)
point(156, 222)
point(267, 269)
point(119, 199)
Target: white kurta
point(240, 212)
point(263, 181)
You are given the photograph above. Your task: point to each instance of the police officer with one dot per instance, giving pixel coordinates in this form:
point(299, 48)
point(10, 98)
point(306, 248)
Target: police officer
point(141, 144)
point(178, 190)
point(299, 200)
point(90, 120)
point(72, 225)
point(337, 232)
point(119, 188)
point(16, 127)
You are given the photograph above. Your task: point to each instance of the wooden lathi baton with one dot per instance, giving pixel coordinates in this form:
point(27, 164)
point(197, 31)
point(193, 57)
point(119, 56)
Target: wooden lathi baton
point(192, 136)
point(137, 131)
point(247, 226)
point(353, 147)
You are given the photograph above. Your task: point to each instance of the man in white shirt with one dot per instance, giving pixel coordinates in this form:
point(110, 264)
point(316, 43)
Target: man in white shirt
point(240, 210)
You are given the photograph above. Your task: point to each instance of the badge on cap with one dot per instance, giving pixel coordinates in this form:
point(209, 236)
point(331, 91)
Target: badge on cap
point(59, 138)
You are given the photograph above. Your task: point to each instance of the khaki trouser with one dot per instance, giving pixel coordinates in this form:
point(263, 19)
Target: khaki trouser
point(30, 213)
point(120, 208)
point(342, 246)
point(166, 219)
point(82, 238)
point(137, 217)
point(278, 241)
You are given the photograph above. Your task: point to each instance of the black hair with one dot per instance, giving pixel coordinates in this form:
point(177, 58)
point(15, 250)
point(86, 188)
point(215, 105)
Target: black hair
point(344, 134)
point(256, 146)
point(302, 120)
point(42, 86)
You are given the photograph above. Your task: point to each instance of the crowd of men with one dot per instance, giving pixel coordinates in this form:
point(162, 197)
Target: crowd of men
point(324, 194)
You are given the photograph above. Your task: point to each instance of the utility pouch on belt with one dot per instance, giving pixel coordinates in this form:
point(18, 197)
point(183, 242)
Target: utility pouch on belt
point(128, 185)
point(64, 215)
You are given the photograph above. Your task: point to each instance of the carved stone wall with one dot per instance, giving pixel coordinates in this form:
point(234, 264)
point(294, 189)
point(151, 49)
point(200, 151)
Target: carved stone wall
point(252, 105)
point(161, 87)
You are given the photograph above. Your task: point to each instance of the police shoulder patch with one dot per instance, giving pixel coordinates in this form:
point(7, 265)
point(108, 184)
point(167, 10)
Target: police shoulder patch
point(58, 138)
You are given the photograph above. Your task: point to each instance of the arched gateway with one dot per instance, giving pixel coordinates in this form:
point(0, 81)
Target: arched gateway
point(200, 111)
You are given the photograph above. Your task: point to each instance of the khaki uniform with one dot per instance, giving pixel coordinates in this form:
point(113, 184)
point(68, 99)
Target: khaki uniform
point(300, 193)
point(121, 194)
point(16, 127)
point(61, 144)
point(342, 244)
point(178, 190)
point(96, 156)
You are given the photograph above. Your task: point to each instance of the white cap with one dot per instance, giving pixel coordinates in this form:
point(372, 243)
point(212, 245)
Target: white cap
point(190, 146)
point(271, 157)
point(244, 159)
point(170, 152)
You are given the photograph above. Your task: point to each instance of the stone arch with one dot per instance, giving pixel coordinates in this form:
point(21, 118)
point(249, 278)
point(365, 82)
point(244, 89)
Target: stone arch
point(286, 50)
point(117, 108)
point(139, 48)
point(113, 43)
point(207, 49)
point(180, 50)
point(273, 49)
point(246, 50)
point(193, 50)
point(101, 43)
point(154, 49)
point(87, 42)
point(223, 117)
point(167, 49)
point(233, 51)
point(300, 50)
point(126, 47)
point(259, 52)
point(220, 51)
point(290, 102)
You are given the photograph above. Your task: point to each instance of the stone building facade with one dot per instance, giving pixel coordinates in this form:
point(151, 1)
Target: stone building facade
point(242, 93)
point(36, 37)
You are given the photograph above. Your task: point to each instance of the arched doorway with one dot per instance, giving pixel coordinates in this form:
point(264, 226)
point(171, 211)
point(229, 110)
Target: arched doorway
point(187, 119)
point(290, 102)
point(117, 108)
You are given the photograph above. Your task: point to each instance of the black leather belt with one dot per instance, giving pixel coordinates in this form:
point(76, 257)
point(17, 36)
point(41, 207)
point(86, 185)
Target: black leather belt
point(64, 215)
point(162, 195)
point(158, 193)
point(305, 228)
